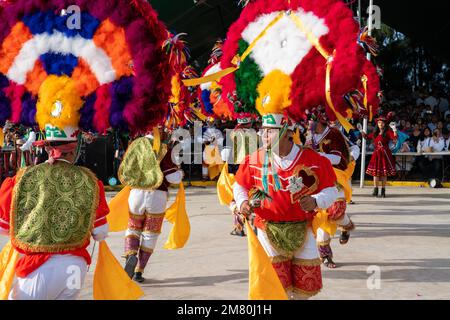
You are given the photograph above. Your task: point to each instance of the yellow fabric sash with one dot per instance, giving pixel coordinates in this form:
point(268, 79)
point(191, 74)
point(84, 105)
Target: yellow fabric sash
point(264, 283)
point(177, 216)
point(110, 279)
point(225, 186)
point(343, 180)
point(8, 260)
point(118, 211)
point(321, 221)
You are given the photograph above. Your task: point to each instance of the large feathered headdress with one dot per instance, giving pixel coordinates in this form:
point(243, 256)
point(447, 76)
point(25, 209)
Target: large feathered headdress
point(290, 56)
point(83, 64)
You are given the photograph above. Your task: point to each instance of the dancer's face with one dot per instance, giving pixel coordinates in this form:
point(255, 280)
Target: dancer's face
point(381, 125)
point(269, 136)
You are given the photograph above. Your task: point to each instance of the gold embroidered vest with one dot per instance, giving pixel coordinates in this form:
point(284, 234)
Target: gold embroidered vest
point(53, 207)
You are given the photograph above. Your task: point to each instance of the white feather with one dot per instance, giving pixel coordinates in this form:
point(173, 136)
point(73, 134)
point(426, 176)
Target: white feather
point(215, 68)
point(96, 58)
point(284, 46)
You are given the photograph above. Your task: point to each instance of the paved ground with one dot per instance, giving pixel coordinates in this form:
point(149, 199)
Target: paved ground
point(406, 236)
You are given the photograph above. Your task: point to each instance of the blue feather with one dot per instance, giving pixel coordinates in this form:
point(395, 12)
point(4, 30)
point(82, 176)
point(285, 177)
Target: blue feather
point(59, 64)
point(206, 101)
point(47, 22)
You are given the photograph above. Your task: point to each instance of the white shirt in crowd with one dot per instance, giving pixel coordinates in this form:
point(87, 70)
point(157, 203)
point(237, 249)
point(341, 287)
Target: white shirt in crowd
point(438, 146)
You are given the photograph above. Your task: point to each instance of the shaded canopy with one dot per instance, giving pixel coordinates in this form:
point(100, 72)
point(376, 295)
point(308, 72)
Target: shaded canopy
point(207, 20)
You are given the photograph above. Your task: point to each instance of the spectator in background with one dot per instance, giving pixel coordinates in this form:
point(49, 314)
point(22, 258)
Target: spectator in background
point(446, 114)
point(446, 137)
point(443, 104)
point(408, 128)
point(431, 101)
point(421, 99)
point(433, 123)
point(431, 166)
point(426, 135)
point(426, 110)
point(447, 121)
point(440, 126)
point(414, 138)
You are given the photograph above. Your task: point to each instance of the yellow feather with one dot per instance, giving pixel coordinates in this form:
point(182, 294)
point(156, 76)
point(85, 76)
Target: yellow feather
point(58, 90)
point(176, 88)
point(274, 91)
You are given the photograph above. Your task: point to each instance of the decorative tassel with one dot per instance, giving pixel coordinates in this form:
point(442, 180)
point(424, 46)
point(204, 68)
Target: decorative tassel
point(177, 50)
point(216, 53)
point(257, 197)
point(368, 42)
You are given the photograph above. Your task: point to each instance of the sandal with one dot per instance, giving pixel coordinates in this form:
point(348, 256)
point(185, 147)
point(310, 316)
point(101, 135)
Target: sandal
point(329, 263)
point(345, 236)
point(236, 232)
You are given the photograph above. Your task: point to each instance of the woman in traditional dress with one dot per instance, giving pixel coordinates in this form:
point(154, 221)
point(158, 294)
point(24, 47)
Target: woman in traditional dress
point(382, 164)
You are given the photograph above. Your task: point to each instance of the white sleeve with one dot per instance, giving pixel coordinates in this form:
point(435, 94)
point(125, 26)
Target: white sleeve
point(27, 145)
point(326, 197)
point(240, 194)
point(100, 233)
point(334, 159)
point(175, 178)
point(355, 151)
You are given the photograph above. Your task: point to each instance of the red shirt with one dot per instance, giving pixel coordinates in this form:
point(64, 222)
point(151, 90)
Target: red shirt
point(316, 172)
point(30, 261)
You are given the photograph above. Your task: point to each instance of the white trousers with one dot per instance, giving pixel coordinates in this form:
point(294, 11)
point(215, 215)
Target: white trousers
point(141, 203)
point(60, 278)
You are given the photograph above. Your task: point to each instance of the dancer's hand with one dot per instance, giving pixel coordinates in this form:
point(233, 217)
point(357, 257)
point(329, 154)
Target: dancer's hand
point(308, 203)
point(246, 209)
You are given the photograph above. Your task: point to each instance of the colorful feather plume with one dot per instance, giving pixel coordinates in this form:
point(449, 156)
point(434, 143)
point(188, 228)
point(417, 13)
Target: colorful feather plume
point(111, 72)
point(216, 53)
point(368, 42)
point(176, 48)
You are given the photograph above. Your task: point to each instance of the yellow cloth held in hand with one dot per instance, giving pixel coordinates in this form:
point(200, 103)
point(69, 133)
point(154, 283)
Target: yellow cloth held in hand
point(344, 180)
point(214, 170)
point(213, 160)
point(321, 221)
point(177, 216)
point(350, 169)
point(110, 279)
point(118, 211)
point(225, 186)
point(264, 283)
point(8, 260)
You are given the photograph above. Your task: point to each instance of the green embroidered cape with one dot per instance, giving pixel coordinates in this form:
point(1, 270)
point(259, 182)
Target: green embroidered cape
point(140, 166)
point(53, 207)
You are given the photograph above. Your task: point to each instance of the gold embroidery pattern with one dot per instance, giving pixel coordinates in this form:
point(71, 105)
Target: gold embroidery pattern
point(53, 207)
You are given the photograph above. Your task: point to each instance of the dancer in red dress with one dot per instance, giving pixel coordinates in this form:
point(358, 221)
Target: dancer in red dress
point(382, 164)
